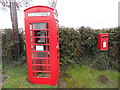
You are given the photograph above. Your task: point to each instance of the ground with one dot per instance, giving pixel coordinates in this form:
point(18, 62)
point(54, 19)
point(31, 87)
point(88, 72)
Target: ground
point(86, 77)
point(74, 77)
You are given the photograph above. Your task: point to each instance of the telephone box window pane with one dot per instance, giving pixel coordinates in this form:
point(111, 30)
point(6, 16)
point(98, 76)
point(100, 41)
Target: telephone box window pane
point(40, 40)
point(30, 26)
point(31, 33)
point(44, 33)
point(48, 55)
point(38, 33)
point(48, 41)
point(39, 54)
point(41, 33)
point(42, 74)
point(41, 68)
point(48, 48)
point(40, 25)
point(41, 61)
point(47, 33)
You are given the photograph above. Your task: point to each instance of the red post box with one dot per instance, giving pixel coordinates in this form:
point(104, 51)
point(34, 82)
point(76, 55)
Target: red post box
point(42, 45)
point(103, 41)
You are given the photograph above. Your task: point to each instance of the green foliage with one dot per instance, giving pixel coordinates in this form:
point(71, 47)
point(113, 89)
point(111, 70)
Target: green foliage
point(7, 43)
point(7, 48)
point(77, 46)
point(80, 46)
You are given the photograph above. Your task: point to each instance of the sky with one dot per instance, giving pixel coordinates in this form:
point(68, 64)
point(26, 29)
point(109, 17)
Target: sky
point(96, 14)
point(119, 13)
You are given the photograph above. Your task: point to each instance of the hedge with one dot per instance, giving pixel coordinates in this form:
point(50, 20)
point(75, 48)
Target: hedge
point(77, 46)
point(80, 46)
point(8, 45)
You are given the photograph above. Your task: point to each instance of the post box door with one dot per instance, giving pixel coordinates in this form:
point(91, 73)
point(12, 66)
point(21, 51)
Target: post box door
point(103, 41)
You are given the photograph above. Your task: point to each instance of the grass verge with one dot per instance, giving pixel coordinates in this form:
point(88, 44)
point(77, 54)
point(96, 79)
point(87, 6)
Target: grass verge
point(74, 77)
point(86, 77)
point(17, 78)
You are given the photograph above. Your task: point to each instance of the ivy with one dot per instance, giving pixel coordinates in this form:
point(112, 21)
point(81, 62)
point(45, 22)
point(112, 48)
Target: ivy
point(80, 47)
point(77, 46)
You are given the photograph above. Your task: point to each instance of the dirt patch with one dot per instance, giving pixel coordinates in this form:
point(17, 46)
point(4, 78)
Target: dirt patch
point(65, 75)
point(62, 84)
point(103, 79)
point(68, 81)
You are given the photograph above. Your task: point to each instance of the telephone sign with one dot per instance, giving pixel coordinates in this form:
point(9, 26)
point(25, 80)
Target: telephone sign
point(42, 45)
point(39, 14)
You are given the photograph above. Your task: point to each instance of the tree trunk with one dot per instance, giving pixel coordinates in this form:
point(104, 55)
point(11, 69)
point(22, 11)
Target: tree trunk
point(13, 13)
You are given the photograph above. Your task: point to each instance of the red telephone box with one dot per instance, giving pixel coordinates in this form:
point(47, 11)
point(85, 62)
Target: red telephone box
point(103, 41)
point(42, 45)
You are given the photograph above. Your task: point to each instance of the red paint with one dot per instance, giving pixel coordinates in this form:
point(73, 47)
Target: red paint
point(42, 45)
point(103, 41)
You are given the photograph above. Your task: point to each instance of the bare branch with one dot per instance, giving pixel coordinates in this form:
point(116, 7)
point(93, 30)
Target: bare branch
point(23, 3)
point(52, 3)
point(4, 4)
point(49, 3)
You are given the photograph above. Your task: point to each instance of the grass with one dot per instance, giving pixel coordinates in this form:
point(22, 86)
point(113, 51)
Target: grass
point(86, 77)
point(74, 77)
point(17, 78)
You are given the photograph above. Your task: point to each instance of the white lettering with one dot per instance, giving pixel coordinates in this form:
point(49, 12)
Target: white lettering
point(39, 14)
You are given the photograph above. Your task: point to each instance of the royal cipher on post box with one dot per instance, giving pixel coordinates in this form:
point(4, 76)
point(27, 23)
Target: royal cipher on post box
point(103, 41)
point(42, 45)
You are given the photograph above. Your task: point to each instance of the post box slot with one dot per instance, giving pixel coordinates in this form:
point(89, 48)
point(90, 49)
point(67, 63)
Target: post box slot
point(104, 36)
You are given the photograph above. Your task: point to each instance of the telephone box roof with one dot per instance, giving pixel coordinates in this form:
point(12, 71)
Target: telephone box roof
point(38, 6)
